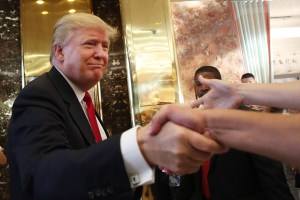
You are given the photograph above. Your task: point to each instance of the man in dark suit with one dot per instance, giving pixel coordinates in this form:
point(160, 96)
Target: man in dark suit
point(52, 150)
point(238, 175)
point(234, 175)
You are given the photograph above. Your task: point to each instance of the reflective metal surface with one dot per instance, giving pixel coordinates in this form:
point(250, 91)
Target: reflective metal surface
point(37, 21)
point(151, 61)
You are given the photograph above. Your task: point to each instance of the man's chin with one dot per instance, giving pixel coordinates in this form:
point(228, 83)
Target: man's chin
point(97, 75)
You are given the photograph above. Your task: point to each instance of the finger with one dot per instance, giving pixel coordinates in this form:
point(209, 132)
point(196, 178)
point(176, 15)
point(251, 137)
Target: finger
point(175, 112)
point(159, 119)
point(197, 103)
point(192, 159)
point(198, 157)
point(182, 157)
point(187, 170)
point(204, 81)
point(206, 144)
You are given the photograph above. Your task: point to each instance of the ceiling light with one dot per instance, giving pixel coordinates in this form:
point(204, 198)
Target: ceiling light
point(72, 11)
point(40, 2)
point(71, 0)
point(45, 12)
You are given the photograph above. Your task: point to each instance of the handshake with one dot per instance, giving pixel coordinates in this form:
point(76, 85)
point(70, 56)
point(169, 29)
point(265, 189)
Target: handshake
point(178, 139)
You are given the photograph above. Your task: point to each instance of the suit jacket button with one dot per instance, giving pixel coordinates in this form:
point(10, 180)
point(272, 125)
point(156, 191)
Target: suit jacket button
point(91, 195)
point(98, 192)
point(110, 190)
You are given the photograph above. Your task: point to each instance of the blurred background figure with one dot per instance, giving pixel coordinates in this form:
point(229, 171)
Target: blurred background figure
point(3, 159)
point(248, 78)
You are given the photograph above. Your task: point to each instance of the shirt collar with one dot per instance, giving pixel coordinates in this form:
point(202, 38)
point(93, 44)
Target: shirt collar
point(78, 92)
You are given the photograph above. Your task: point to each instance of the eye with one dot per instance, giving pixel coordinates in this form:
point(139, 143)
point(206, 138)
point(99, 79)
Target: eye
point(89, 44)
point(105, 46)
point(198, 83)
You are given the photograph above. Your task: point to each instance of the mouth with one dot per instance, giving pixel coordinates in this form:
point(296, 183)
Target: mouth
point(202, 94)
point(95, 65)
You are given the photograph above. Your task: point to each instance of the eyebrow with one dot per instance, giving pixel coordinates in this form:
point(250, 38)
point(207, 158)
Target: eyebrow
point(91, 38)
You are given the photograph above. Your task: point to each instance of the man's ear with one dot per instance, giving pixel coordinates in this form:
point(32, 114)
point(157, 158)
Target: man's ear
point(58, 51)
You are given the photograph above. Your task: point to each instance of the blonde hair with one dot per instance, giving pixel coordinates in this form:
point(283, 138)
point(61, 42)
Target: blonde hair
point(67, 24)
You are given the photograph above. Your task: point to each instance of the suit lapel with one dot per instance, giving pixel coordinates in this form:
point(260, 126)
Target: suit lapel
point(81, 122)
point(75, 109)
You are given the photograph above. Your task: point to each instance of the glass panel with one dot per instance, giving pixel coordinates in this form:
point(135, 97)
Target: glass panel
point(154, 78)
point(151, 61)
point(149, 31)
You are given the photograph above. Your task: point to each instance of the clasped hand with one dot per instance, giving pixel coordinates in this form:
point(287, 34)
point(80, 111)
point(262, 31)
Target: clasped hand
point(177, 139)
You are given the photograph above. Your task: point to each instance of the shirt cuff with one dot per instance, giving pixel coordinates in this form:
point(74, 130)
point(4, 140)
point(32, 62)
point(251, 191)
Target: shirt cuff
point(138, 170)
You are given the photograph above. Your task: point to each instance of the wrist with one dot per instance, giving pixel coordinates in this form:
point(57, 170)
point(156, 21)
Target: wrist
point(241, 91)
point(142, 138)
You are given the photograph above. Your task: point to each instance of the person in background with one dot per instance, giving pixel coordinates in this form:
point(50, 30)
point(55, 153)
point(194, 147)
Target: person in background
point(58, 146)
point(3, 158)
point(248, 78)
point(234, 175)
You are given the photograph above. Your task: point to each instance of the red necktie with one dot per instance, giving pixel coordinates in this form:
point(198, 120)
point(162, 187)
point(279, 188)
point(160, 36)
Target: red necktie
point(92, 117)
point(205, 186)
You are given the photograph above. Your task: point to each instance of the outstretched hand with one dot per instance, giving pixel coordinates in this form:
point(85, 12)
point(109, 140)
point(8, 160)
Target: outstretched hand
point(222, 94)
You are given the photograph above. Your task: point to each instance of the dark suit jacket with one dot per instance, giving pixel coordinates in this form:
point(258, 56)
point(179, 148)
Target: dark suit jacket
point(51, 149)
point(235, 175)
point(238, 175)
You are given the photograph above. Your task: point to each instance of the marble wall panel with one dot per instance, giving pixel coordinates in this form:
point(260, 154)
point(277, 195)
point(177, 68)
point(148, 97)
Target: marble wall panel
point(114, 87)
point(115, 99)
point(10, 75)
point(205, 34)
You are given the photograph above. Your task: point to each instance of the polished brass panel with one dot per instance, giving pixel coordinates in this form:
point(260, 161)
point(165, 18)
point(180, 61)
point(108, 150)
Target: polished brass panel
point(37, 29)
point(151, 61)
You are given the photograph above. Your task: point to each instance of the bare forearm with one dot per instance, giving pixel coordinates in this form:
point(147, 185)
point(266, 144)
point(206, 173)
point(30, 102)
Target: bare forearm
point(276, 94)
point(273, 135)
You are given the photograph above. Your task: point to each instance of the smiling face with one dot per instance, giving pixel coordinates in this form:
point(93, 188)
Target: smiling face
point(83, 59)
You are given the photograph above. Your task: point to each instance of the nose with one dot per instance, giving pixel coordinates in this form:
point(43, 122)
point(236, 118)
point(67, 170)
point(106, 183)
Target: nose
point(100, 52)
